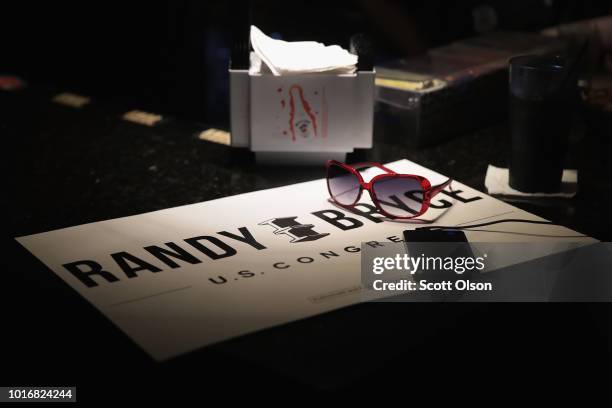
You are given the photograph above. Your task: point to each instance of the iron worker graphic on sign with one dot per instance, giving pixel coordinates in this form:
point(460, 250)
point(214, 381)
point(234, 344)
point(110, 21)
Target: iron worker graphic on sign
point(296, 231)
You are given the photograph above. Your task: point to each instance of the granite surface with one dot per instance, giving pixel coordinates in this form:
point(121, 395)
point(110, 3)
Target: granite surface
point(66, 166)
point(72, 166)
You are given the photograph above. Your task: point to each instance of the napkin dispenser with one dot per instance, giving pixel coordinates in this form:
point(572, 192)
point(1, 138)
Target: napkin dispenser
point(301, 119)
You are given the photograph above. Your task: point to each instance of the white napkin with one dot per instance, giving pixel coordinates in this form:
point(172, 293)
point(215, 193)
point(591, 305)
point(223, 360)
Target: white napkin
point(286, 58)
point(497, 183)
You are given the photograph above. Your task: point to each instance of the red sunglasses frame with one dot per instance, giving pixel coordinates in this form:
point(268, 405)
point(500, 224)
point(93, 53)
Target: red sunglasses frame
point(429, 191)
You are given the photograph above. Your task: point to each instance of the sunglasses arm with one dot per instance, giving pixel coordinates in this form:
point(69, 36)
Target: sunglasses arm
point(434, 190)
point(364, 165)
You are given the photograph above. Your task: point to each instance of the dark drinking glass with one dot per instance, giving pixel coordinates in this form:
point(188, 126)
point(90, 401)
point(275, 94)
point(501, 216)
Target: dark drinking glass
point(541, 109)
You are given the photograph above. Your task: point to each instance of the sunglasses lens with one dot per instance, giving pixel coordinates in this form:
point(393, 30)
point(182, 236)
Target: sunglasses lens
point(399, 196)
point(343, 185)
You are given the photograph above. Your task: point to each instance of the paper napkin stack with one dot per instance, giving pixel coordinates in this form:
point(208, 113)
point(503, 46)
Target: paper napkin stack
point(289, 58)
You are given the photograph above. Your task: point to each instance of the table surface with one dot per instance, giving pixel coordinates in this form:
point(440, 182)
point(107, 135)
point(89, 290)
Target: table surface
point(67, 166)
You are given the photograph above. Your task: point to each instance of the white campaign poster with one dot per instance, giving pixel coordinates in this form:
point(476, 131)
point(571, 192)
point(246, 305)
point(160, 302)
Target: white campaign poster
point(182, 278)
